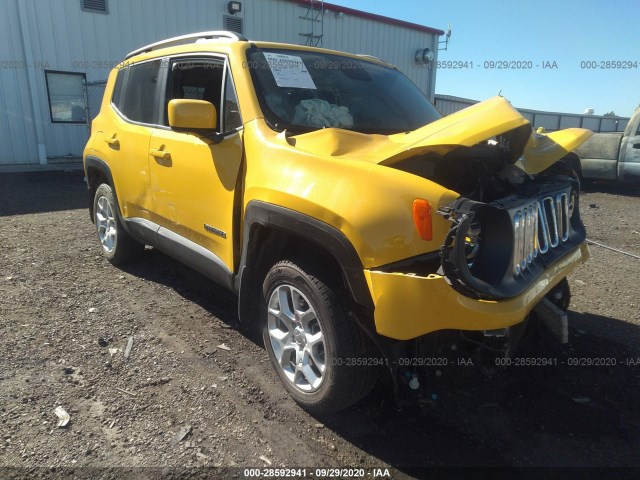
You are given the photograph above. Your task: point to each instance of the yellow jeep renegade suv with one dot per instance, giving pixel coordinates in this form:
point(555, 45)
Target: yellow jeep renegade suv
point(328, 193)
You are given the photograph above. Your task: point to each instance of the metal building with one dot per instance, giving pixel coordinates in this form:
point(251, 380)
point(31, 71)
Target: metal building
point(550, 121)
point(55, 55)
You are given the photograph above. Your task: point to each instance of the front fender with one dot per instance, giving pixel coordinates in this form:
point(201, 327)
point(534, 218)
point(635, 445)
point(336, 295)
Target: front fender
point(311, 229)
point(372, 205)
point(543, 150)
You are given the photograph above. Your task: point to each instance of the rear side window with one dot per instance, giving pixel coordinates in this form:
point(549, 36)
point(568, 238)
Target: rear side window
point(118, 91)
point(140, 95)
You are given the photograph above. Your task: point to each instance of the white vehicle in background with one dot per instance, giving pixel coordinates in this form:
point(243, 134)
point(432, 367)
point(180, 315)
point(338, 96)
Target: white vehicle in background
point(612, 156)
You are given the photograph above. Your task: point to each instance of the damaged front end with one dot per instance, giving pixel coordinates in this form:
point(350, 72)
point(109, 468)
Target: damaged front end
point(495, 250)
point(515, 234)
point(504, 231)
point(512, 204)
point(518, 209)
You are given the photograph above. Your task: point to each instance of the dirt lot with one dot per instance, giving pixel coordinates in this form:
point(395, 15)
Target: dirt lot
point(62, 308)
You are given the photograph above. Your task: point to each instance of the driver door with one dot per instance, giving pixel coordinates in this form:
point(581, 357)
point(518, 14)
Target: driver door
point(193, 180)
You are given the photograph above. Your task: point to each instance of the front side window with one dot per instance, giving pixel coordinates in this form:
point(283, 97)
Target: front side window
point(139, 100)
point(231, 116)
point(195, 79)
point(303, 91)
point(67, 98)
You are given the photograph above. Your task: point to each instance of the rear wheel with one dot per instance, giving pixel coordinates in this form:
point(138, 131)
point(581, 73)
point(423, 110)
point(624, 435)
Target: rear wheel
point(117, 245)
point(323, 359)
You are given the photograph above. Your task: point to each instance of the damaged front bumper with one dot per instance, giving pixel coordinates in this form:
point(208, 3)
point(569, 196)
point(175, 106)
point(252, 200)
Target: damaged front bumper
point(408, 306)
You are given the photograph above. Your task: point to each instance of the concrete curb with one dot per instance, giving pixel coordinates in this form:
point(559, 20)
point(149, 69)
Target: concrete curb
point(53, 167)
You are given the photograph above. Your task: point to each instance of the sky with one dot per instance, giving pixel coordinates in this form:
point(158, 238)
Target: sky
point(567, 32)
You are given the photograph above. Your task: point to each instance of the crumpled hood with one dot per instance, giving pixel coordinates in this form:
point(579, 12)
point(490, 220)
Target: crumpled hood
point(543, 150)
point(467, 127)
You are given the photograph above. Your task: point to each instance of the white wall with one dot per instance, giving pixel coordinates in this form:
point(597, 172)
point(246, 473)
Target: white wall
point(63, 37)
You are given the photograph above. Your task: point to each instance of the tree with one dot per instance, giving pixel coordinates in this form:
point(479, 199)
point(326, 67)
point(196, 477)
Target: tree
point(610, 114)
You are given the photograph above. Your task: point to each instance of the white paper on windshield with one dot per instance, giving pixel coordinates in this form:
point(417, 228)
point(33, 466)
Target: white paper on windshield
point(289, 71)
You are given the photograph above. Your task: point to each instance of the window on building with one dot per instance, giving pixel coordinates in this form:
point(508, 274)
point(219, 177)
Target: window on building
point(140, 95)
point(67, 96)
point(95, 6)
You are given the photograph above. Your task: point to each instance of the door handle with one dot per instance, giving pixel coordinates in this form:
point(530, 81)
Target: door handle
point(163, 154)
point(113, 141)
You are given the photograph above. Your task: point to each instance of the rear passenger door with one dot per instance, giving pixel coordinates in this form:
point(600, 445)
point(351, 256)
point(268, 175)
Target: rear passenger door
point(192, 180)
point(134, 113)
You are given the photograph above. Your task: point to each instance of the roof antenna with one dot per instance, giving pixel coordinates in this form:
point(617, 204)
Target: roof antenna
point(444, 44)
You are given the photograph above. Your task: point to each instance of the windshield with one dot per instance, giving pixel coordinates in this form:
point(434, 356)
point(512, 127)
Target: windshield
point(304, 91)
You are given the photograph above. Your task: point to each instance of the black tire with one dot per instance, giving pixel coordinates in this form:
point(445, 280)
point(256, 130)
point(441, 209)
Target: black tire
point(345, 380)
point(122, 248)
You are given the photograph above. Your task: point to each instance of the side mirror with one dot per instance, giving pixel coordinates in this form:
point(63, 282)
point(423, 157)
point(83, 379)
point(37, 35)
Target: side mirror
point(197, 116)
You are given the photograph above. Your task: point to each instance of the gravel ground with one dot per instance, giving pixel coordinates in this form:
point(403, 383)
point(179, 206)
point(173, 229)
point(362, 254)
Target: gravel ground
point(67, 316)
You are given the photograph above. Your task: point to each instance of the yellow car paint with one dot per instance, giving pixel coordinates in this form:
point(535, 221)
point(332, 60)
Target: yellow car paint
point(195, 186)
point(408, 306)
point(543, 150)
point(375, 212)
point(340, 177)
point(467, 127)
point(124, 147)
point(196, 114)
point(464, 128)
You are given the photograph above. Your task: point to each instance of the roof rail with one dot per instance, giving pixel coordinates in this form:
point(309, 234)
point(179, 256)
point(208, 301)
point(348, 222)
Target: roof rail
point(189, 38)
point(368, 57)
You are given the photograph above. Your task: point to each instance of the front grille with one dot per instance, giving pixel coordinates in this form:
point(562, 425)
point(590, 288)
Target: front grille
point(539, 227)
point(514, 239)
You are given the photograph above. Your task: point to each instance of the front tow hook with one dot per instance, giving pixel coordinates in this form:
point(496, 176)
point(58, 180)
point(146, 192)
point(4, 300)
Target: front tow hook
point(554, 318)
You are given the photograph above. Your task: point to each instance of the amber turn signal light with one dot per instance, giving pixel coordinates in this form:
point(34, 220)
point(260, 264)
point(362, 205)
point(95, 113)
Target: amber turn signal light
point(422, 218)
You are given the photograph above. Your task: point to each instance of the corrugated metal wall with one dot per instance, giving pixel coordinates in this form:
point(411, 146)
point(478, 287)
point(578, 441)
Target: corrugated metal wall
point(447, 104)
point(64, 37)
point(17, 130)
point(550, 121)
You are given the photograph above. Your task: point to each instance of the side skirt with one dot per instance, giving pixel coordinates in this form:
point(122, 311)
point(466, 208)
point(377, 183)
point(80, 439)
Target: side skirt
point(182, 249)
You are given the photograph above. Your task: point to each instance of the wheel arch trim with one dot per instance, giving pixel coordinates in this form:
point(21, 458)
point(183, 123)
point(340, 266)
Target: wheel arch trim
point(96, 163)
point(323, 235)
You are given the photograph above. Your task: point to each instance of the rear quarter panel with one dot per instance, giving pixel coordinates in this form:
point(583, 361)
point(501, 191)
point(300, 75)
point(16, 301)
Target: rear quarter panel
point(128, 161)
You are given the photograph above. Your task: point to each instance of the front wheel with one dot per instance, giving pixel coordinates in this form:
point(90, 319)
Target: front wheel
point(117, 245)
point(323, 359)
